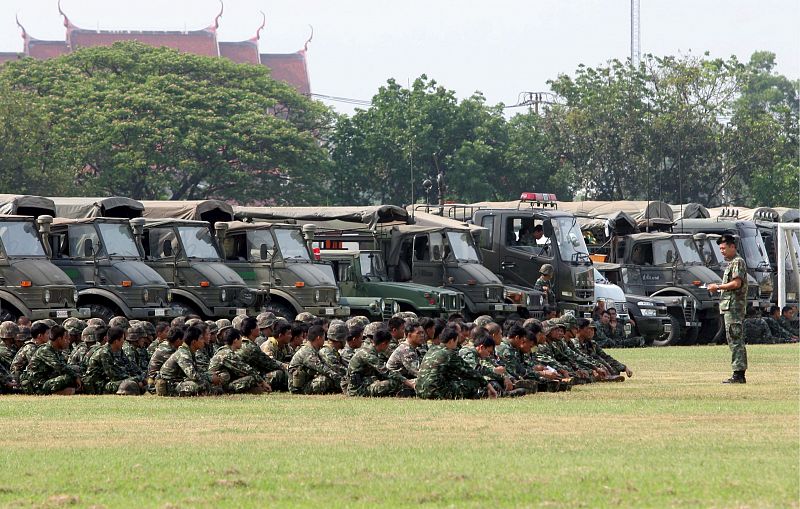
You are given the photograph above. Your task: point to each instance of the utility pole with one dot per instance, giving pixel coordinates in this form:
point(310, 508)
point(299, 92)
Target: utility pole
point(636, 42)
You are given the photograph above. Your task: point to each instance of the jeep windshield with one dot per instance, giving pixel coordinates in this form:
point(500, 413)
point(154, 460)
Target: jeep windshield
point(372, 265)
point(711, 255)
point(117, 240)
point(256, 239)
point(569, 239)
point(462, 246)
point(20, 239)
point(291, 244)
point(197, 242)
point(688, 251)
point(754, 250)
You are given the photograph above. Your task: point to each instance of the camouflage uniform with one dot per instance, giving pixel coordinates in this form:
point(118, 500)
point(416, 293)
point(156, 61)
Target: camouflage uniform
point(160, 356)
point(620, 340)
point(592, 349)
point(237, 376)
point(271, 370)
point(180, 376)
point(513, 360)
point(404, 360)
point(777, 330)
point(483, 366)
point(281, 353)
point(105, 372)
point(756, 331)
point(346, 354)
point(47, 372)
point(603, 335)
point(7, 330)
point(367, 375)
point(22, 359)
point(445, 375)
point(310, 375)
point(732, 305)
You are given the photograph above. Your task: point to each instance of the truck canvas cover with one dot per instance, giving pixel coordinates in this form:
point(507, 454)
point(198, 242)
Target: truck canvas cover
point(368, 215)
point(26, 205)
point(198, 210)
point(113, 206)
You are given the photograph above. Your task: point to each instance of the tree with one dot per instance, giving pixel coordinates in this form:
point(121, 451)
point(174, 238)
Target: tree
point(147, 122)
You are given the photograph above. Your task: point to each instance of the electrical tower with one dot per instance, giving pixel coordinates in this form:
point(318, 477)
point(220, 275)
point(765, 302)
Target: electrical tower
point(636, 42)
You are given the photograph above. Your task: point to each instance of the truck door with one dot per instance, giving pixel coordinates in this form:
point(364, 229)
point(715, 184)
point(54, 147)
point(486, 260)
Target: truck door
point(344, 270)
point(490, 252)
point(71, 255)
point(522, 254)
point(161, 246)
point(427, 256)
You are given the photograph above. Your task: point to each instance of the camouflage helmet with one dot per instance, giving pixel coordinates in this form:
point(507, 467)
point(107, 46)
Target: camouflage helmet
point(569, 321)
point(178, 321)
point(223, 324)
point(149, 328)
point(24, 333)
point(549, 325)
point(531, 321)
point(305, 317)
point(372, 328)
point(237, 321)
point(337, 331)
point(47, 321)
point(266, 319)
point(128, 388)
point(135, 332)
point(406, 315)
point(89, 334)
point(360, 321)
point(212, 326)
point(483, 321)
point(74, 325)
point(96, 322)
point(8, 330)
point(546, 270)
point(194, 322)
point(119, 321)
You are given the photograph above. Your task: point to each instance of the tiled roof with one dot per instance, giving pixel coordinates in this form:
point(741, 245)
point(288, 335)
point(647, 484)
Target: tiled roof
point(245, 52)
point(290, 68)
point(198, 42)
point(43, 50)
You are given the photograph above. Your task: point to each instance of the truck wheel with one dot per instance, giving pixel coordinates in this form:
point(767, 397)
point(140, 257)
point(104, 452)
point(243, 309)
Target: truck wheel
point(181, 309)
point(281, 309)
point(675, 335)
point(102, 311)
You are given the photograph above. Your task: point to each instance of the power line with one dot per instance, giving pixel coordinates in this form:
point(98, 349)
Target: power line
point(347, 100)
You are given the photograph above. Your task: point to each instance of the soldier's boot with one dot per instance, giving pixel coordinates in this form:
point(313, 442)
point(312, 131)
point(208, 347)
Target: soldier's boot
point(737, 378)
point(515, 393)
point(161, 387)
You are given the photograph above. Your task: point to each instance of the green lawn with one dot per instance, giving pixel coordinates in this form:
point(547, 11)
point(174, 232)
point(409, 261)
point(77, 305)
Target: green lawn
point(671, 436)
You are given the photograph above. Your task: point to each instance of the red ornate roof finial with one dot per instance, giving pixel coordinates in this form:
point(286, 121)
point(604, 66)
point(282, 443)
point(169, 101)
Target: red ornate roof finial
point(67, 23)
point(221, 10)
point(263, 24)
point(305, 46)
point(24, 32)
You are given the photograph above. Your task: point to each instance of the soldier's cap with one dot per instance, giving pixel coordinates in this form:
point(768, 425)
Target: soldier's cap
point(119, 321)
point(135, 332)
point(569, 321)
point(531, 321)
point(726, 238)
point(50, 323)
point(549, 325)
point(128, 388)
point(237, 321)
point(337, 332)
point(223, 324)
point(89, 334)
point(212, 326)
point(592, 324)
point(24, 333)
point(304, 317)
point(74, 326)
point(178, 321)
point(8, 330)
point(372, 328)
point(149, 328)
point(266, 319)
point(405, 315)
point(546, 269)
point(96, 322)
point(483, 321)
point(360, 321)
point(193, 322)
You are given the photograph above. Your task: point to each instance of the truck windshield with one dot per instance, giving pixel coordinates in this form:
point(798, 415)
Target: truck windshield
point(291, 244)
point(20, 239)
point(197, 242)
point(688, 251)
point(569, 239)
point(463, 247)
point(371, 265)
point(117, 240)
point(754, 250)
point(711, 255)
point(256, 239)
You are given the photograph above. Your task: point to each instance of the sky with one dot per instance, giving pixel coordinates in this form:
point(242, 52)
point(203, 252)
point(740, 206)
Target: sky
point(501, 48)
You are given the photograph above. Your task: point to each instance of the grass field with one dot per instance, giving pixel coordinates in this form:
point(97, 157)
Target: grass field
point(671, 436)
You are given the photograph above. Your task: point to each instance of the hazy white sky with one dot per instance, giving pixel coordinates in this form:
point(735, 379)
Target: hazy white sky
point(501, 48)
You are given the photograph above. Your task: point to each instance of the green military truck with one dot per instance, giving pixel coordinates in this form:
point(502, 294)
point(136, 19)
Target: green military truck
point(276, 257)
point(362, 273)
point(30, 284)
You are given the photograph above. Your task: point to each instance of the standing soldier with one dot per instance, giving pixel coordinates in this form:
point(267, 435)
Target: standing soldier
point(732, 305)
point(544, 284)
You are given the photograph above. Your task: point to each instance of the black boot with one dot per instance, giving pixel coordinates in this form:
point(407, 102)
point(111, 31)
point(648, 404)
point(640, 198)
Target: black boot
point(737, 378)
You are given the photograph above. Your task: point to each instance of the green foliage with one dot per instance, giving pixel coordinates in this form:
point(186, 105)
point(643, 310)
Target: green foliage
point(155, 123)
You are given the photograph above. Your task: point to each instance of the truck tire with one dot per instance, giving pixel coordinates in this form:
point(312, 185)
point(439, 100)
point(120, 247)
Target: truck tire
point(675, 335)
point(281, 309)
point(104, 312)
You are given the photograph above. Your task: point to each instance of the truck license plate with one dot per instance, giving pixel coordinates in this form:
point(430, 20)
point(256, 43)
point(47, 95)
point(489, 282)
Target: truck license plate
point(667, 327)
point(241, 311)
point(498, 307)
point(62, 313)
point(328, 311)
point(161, 312)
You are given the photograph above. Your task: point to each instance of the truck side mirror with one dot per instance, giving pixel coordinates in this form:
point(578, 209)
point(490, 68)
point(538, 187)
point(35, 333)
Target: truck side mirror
point(264, 253)
point(88, 248)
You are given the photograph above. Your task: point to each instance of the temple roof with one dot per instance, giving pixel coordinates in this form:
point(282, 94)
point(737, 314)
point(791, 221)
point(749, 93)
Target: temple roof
point(290, 68)
point(198, 42)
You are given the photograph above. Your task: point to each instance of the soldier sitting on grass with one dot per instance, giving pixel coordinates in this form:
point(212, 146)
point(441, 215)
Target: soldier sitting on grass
point(308, 374)
point(180, 376)
point(48, 372)
point(367, 374)
point(236, 376)
point(107, 372)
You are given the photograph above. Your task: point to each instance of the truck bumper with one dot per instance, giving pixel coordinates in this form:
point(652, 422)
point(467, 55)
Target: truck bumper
point(653, 326)
point(336, 311)
point(148, 313)
point(58, 314)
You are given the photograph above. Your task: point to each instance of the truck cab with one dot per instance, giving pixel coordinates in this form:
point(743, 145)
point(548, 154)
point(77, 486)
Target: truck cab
point(275, 257)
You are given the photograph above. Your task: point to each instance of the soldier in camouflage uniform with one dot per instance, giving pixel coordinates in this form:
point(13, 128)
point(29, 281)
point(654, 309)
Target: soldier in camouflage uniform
point(305, 317)
point(8, 335)
point(48, 372)
point(756, 330)
point(397, 328)
point(329, 353)
point(445, 375)
point(776, 329)
point(308, 373)
point(479, 357)
point(277, 345)
point(236, 376)
point(788, 321)
point(180, 376)
point(107, 371)
point(169, 346)
point(512, 353)
point(406, 359)
point(132, 347)
point(99, 337)
point(40, 335)
point(618, 335)
point(354, 340)
point(266, 324)
point(584, 342)
point(271, 370)
point(732, 305)
point(544, 283)
point(367, 374)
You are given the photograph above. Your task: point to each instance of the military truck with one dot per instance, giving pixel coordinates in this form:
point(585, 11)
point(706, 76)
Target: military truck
point(186, 254)
point(30, 285)
point(275, 257)
point(506, 251)
point(362, 273)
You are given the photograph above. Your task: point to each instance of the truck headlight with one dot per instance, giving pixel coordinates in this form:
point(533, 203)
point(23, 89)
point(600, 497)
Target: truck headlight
point(316, 295)
point(47, 295)
point(146, 295)
point(488, 293)
point(75, 296)
point(247, 297)
point(527, 300)
point(169, 295)
point(395, 307)
point(223, 295)
point(649, 312)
